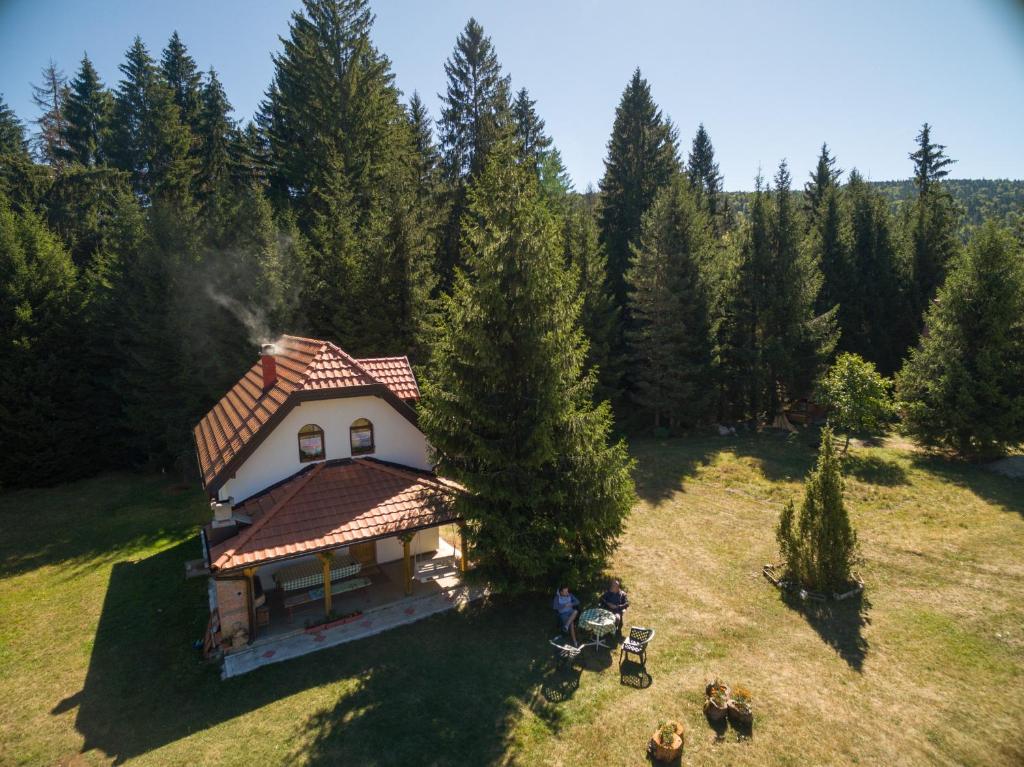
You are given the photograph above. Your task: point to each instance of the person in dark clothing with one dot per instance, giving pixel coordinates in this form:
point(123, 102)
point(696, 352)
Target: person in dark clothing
point(615, 601)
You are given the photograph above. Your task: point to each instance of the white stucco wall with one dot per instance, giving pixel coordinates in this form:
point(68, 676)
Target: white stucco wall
point(277, 457)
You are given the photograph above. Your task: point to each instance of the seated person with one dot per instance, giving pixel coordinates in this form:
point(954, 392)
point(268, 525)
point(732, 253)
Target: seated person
point(567, 607)
point(615, 601)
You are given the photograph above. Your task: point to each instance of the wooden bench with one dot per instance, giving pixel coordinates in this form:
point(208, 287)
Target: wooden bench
point(293, 599)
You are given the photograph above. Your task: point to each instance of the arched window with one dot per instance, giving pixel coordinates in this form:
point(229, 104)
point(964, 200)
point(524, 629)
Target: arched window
point(311, 443)
point(361, 435)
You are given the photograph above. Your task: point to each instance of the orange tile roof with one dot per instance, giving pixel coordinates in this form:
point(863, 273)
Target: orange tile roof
point(305, 367)
point(333, 504)
point(395, 373)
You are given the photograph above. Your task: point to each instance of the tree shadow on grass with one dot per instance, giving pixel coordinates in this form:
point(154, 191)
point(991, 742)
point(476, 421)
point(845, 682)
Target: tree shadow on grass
point(840, 623)
point(874, 469)
point(1005, 492)
point(448, 686)
point(663, 465)
point(781, 456)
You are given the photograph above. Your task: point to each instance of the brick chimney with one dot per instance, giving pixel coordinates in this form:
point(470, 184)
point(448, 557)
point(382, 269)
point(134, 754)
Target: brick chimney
point(267, 352)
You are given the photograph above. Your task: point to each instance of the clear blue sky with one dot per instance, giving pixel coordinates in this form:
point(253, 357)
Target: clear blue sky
point(768, 79)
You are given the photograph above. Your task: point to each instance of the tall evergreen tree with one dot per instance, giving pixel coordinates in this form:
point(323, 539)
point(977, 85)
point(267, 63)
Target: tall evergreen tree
point(668, 301)
point(40, 375)
point(87, 117)
point(599, 316)
point(148, 138)
point(215, 139)
point(702, 171)
point(475, 115)
point(179, 71)
point(823, 178)
point(827, 244)
point(962, 389)
point(508, 407)
point(930, 234)
point(642, 158)
point(50, 96)
point(531, 139)
point(21, 181)
point(12, 132)
point(427, 158)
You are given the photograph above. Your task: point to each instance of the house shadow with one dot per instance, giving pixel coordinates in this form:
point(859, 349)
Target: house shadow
point(839, 624)
point(447, 686)
point(874, 469)
point(1000, 490)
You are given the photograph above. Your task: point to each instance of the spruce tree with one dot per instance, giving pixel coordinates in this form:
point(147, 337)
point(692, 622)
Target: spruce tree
point(87, 117)
point(669, 340)
point(642, 158)
point(427, 158)
point(599, 316)
point(702, 171)
point(532, 141)
point(41, 409)
point(818, 542)
point(22, 182)
point(475, 115)
point(930, 225)
point(12, 132)
point(508, 406)
point(962, 389)
point(827, 244)
point(148, 139)
point(216, 135)
point(50, 96)
point(179, 71)
point(823, 178)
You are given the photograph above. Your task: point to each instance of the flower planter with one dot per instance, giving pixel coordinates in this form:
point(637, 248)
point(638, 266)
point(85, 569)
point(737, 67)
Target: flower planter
point(666, 752)
point(740, 713)
point(714, 711)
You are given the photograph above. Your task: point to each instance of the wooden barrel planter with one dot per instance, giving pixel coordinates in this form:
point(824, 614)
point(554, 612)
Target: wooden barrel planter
point(663, 751)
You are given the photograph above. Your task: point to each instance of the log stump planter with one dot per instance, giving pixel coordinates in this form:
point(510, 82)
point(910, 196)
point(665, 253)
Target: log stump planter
point(716, 705)
point(740, 710)
point(667, 741)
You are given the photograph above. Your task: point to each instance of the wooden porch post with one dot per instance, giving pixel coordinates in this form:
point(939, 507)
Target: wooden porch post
point(250, 600)
point(406, 539)
point(462, 547)
point(325, 559)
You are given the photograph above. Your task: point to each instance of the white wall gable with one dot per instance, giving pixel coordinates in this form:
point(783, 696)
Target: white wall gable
point(277, 457)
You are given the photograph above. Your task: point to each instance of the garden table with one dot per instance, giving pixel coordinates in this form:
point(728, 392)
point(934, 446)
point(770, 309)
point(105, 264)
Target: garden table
point(598, 622)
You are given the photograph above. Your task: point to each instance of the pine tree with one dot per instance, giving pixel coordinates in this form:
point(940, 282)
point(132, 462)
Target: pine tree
point(475, 115)
point(216, 135)
point(668, 302)
point(962, 389)
point(702, 171)
point(819, 543)
point(508, 407)
point(427, 158)
point(180, 73)
point(40, 377)
point(599, 316)
point(796, 340)
point(21, 180)
point(87, 117)
point(642, 158)
point(148, 139)
point(824, 177)
point(875, 318)
point(827, 244)
point(930, 226)
point(532, 141)
point(50, 97)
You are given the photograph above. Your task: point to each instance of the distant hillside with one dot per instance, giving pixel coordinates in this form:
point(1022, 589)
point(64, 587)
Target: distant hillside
point(979, 199)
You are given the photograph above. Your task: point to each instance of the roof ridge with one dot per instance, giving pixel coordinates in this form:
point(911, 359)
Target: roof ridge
point(260, 523)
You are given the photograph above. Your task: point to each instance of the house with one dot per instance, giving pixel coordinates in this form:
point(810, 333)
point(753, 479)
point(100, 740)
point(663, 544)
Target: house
point(324, 503)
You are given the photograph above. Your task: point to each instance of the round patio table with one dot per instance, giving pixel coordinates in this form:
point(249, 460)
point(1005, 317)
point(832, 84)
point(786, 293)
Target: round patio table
point(599, 623)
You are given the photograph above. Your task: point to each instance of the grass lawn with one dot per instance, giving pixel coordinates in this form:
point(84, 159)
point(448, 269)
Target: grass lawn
point(96, 627)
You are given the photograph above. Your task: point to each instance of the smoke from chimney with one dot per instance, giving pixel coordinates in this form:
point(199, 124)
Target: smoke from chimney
point(267, 352)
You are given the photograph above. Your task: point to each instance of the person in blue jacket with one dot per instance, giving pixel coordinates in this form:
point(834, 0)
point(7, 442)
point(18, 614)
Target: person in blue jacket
point(568, 608)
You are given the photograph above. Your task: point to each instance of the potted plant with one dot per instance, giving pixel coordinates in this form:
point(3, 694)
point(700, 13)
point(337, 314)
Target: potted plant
point(717, 704)
point(740, 706)
point(667, 741)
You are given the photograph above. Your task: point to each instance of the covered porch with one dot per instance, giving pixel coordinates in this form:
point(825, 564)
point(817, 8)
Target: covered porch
point(329, 547)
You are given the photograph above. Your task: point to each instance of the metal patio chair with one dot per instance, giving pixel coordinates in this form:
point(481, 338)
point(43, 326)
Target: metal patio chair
point(636, 644)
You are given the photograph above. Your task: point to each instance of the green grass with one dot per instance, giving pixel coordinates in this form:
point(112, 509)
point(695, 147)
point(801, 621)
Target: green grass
point(96, 627)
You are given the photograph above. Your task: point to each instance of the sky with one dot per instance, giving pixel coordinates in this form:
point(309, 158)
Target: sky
point(769, 80)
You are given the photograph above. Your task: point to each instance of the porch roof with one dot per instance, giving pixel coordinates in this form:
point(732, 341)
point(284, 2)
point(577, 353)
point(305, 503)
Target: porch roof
point(332, 504)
